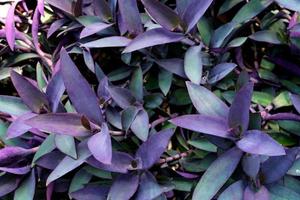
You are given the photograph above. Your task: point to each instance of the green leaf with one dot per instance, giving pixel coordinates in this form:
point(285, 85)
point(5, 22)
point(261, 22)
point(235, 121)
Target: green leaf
point(205, 29)
point(40, 76)
point(266, 36)
point(262, 98)
point(282, 100)
point(217, 174)
point(227, 5)
point(193, 64)
point(27, 188)
point(136, 84)
point(12, 105)
point(279, 192)
point(17, 58)
point(80, 179)
point(203, 144)
point(165, 81)
point(46, 147)
point(66, 144)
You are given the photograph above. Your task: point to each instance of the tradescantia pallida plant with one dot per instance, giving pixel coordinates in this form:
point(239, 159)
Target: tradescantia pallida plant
point(149, 99)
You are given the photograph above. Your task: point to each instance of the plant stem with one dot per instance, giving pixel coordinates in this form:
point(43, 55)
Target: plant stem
point(280, 116)
point(175, 157)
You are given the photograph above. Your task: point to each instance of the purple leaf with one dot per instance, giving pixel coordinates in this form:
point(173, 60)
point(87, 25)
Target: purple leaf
point(261, 194)
point(234, 192)
point(9, 155)
point(258, 142)
point(60, 123)
point(204, 124)
point(151, 150)
point(80, 92)
point(32, 97)
point(127, 116)
point(163, 15)
point(93, 28)
point(26, 189)
point(55, 26)
point(296, 101)
point(18, 127)
point(8, 183)
point(220, 71)
point(251, 165)
point(149, 188)
point(239, 109)
point(10, 25)
point(206, 102)
point(16, 170)
point(217, 173)
point(276, 167)
point(102, 9)
point(35, 29)
point(130, 16)
point(102, 90)
point(173, 65)
point(122, 96)
point(90, 192)
point(40, 6)
point(140, 125)
point(65, 6)
point(68, 164)
point(151, 38)
point(50, 160)
point(100, 145)
point(55, 90)
point(113, 41)
point(124, 187)
point(120, 162)
point(194, 11)
point(193, 64)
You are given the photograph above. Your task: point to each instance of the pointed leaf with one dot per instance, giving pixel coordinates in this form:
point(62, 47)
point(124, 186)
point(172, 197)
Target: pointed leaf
point(102, 9)
point(173, 65)
point(261, 194)
point(8, 183)
point(113, 41)
point(127, 116)
point(162, 14)
point(32, 97)
point(279, 192)
point(66, 144)
point(251, 165)
point(193, 64)
point(122, 96)
point(18, 127)
point(100, 145)
point(258, 142)
point(140, 125)
point(12, 105)
point(206, 102)
point(130, 16)
point(151, 38)
point(239, 109)
point(149, 188)
point(93, 28)
point(217, 173)
point(194, 11)
point(68, 163)
point(233, 192)
point(47, 146)
point(55, 90)
point(290, 4)
point(90, 192)
point(204, 124)
point(123, 187)
point(220, 71)
point(16, 170)
point(80, 92)
point(136, 84)
point(27, 188)
point(60, 123)
point(276, 167)
point(151, 150)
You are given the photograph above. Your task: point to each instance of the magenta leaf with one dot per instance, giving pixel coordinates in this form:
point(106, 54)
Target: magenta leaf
point(151, 150)
point(239, 109)
point(203, 124)
point(32, 96)
point(81, 94)
point(124, 187)
point(100, 145)
point(9, 155)
point(151, 38)
point(261, 194)
point(258, 142)
point(10, 31)
point(60, 123)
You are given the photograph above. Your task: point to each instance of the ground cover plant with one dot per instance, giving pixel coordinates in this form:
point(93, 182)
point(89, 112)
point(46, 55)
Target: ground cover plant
point(150, 99)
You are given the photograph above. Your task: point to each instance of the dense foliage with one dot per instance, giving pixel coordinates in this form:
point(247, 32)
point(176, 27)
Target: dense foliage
point(150, 100)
